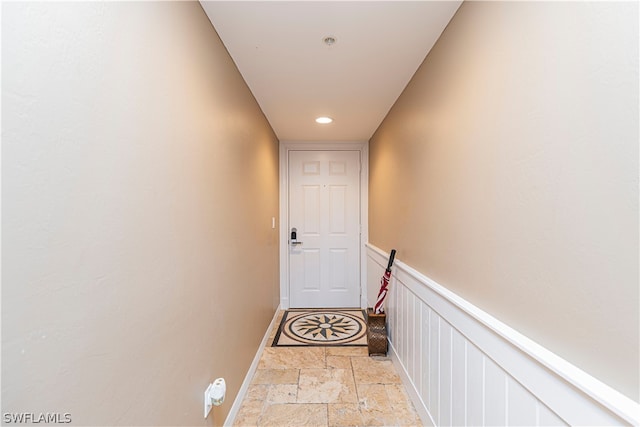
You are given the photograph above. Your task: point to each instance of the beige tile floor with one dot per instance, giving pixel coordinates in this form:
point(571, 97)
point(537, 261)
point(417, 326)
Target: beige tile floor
point(325, 386)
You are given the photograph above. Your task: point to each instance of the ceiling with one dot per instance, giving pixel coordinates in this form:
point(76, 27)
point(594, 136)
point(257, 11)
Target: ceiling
point(279, 49)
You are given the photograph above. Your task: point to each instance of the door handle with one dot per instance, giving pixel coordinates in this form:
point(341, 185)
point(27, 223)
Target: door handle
point(296, 243)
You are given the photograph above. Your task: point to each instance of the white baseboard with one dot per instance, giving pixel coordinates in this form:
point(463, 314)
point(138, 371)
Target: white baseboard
point(235, 407)
point(462, 366)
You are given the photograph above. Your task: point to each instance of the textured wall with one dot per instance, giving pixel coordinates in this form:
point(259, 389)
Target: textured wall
point(508, 172)
point(139, 178)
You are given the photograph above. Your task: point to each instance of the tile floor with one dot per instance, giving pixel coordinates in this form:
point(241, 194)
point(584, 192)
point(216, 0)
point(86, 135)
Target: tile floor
point(325, 386)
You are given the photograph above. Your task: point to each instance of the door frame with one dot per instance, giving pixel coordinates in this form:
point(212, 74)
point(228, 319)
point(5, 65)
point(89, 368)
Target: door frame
point(285, 148)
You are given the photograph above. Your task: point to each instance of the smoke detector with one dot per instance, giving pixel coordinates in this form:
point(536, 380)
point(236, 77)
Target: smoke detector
point(329, 40)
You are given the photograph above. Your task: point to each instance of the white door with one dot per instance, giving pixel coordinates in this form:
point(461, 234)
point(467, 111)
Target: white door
point(324, 210)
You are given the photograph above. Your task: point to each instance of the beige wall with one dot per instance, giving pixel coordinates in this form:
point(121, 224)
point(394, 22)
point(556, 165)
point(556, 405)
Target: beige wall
point(139, 178)
point(508, 172)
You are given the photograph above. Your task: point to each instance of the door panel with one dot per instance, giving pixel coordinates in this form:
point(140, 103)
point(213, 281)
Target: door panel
point(324, 207)
point(337, 209)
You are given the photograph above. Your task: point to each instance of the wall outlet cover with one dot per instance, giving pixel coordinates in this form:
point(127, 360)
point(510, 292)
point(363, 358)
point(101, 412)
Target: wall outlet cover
point(207, 401)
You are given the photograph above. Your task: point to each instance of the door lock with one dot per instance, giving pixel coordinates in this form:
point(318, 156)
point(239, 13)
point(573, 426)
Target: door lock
point(294, 237)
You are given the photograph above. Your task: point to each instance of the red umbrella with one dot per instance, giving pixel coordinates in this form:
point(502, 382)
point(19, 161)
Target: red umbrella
point(384, 285)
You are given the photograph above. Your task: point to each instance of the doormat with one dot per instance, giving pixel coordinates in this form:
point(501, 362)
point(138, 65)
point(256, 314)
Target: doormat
point(322, 327)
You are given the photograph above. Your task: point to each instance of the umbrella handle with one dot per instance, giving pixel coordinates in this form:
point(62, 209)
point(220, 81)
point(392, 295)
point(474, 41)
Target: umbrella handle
point(391, 257)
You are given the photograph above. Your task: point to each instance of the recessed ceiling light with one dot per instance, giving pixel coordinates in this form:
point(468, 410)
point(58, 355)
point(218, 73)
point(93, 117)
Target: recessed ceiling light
point(324, 120)
point(330, 40)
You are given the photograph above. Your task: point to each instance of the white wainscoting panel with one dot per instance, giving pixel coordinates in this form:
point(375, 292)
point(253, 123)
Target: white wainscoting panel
point(462, 367)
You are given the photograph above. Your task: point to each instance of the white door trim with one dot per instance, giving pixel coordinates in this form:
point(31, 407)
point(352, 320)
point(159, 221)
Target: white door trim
point(285, 147)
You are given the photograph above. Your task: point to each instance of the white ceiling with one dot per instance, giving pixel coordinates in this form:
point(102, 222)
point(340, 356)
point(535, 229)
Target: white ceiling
point(279, 50)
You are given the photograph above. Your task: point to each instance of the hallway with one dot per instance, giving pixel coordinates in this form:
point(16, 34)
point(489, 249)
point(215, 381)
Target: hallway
point(325, 386)
point(147, 242)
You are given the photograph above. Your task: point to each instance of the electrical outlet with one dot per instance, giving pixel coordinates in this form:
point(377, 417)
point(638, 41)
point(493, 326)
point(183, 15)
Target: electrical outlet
point(214, 395)
point(207, 401)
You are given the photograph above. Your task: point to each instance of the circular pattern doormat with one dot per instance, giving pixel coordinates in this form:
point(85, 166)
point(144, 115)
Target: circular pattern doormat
point(322, 327)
